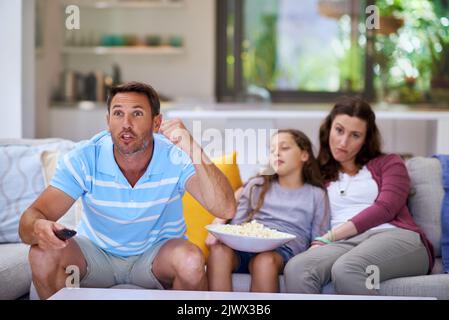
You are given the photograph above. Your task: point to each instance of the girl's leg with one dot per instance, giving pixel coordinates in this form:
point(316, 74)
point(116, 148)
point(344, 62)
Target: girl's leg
point(265, 269)
point(220, 264)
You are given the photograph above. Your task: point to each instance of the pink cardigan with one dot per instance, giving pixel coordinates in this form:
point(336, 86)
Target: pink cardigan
point(392, 178)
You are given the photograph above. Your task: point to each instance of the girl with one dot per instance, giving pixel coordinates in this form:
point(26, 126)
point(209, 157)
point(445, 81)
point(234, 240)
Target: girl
point(291, 200)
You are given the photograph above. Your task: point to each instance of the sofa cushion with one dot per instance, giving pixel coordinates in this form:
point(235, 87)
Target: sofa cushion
point(15, 272)
point(21, 180)
point(426, 197)
point(196, 216)
point(435, 285)
point(241, 282)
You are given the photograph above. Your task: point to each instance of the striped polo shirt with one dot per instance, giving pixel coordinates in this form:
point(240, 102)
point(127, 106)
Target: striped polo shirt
point(118, 218)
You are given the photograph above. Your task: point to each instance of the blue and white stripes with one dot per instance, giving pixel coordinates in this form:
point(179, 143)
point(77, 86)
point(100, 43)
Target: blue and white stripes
point(120, 219)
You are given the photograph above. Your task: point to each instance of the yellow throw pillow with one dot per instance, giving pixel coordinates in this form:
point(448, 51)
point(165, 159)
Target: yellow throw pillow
point(196, 216)
point(49, 160)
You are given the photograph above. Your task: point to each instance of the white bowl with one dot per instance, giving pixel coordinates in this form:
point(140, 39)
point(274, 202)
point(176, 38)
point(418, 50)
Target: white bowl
point(247, 243)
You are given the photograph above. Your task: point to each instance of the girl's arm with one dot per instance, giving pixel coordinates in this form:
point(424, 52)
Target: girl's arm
point(243, 204)
point(321, 225)
point(321, 216)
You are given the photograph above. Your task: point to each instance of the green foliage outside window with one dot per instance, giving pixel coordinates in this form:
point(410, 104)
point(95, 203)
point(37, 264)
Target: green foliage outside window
point(411, 64)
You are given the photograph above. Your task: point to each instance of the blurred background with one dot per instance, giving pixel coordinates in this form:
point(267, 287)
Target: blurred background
point(222, 57)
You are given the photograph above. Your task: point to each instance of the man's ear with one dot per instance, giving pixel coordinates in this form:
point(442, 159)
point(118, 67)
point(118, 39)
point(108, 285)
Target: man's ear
point(157, 121)
point(107, 122)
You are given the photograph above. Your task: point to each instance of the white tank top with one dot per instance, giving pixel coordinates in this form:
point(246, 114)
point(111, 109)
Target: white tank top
point(350, 195)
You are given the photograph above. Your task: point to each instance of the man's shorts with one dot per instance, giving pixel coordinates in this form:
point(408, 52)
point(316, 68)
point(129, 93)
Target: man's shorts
point(105, 270)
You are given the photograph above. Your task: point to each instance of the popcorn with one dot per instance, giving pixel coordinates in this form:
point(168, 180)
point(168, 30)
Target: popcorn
point(250, 229)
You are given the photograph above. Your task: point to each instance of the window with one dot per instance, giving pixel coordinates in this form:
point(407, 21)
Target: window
point(289, 50)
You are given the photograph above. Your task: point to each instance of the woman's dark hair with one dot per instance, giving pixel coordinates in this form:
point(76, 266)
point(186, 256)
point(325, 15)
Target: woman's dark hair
point(310, 172)
point(138, 87)
point(353, 107)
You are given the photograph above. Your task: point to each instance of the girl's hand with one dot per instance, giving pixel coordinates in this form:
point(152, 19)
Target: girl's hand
point(315, 246)
point(211, 240)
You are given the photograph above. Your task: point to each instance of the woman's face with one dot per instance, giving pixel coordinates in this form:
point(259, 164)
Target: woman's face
point(346, 138)
point(285, 155)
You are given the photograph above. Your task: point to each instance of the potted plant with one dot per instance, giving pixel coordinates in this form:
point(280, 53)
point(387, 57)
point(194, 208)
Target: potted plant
point(439, 82)
point(334, 8)
point(438, 35)
point(390, 16)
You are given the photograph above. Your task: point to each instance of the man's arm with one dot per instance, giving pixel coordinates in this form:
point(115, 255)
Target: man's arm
point(208, 185)
point(37, 223)
point(212, 189)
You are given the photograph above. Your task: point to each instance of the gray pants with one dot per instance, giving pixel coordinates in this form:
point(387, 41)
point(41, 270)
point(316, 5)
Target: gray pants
point(393, 252)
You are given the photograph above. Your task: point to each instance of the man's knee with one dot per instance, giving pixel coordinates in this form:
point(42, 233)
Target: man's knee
point(189, 261)
point(42, 262)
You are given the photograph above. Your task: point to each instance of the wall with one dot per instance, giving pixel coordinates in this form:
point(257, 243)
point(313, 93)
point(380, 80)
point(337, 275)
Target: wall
point(186, 76)
point(17, 69)
point(189, 75)
point(48, 62)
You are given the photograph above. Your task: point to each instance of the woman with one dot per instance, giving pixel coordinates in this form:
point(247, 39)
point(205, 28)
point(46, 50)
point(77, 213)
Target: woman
point(371, 227)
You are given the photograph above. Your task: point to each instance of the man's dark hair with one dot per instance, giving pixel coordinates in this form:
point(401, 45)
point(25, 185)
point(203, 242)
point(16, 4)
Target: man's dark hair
point(138, 87)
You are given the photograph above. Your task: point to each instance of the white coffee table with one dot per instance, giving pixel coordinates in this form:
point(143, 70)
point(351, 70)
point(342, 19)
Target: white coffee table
point(138, 294)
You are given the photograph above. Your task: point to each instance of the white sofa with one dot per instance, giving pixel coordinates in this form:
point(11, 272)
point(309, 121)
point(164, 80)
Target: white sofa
point(424, 202)
point(21, 180)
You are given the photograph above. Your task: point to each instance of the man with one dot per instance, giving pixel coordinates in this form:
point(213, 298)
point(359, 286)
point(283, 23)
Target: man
point(131, 182)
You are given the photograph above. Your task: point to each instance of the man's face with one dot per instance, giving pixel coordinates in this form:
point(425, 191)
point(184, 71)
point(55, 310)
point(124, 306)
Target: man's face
point(131, 123)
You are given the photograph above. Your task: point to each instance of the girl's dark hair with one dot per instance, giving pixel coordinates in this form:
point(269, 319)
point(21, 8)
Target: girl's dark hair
point(310, 172)
point(353, 107)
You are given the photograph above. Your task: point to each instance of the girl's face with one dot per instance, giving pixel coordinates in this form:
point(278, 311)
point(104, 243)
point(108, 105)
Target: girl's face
point(346, 138)
point(285, 155)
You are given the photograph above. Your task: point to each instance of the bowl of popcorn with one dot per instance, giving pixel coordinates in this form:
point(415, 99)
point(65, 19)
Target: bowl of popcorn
point(249, 237)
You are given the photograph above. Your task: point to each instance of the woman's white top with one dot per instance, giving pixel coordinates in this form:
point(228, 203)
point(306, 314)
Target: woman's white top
point(349, 195)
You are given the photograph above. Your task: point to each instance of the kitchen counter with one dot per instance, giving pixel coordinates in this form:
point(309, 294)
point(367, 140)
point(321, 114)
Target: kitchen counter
point(403, 126)
point(288, 111)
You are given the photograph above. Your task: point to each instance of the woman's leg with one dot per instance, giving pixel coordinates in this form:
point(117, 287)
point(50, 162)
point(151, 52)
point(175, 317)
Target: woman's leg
point(220, 264)
point(384, 255)
point(310, 270)
point(265, 269)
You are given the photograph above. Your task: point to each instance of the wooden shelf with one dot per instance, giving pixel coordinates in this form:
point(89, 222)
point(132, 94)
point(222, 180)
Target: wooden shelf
point(163, 50)
point(123, 4)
